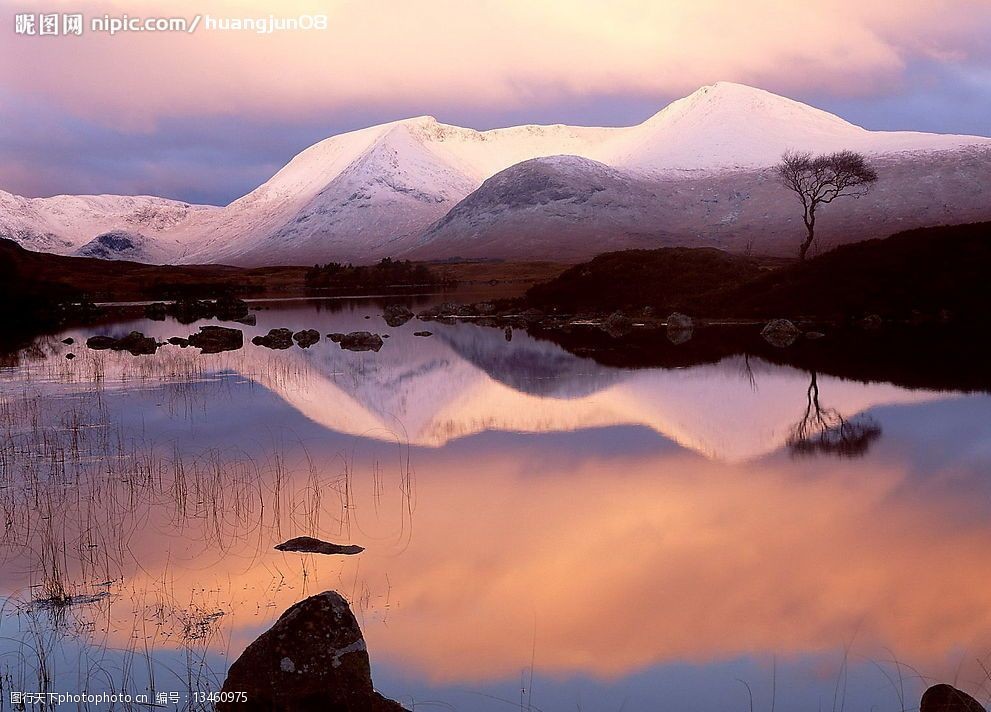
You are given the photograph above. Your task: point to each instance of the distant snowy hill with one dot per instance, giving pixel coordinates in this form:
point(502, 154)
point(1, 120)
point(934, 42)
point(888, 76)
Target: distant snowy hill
point(66, 224)
point(694, 173)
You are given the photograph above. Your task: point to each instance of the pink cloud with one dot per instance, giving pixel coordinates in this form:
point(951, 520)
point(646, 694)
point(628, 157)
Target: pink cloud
point(486, 54)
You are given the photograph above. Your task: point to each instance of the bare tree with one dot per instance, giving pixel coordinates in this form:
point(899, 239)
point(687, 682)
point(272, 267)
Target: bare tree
point(819, 180)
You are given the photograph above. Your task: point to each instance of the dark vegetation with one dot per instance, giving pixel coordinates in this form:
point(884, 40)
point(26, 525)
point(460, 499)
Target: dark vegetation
point(931, 274)
point(387, 274)
point(938, 272)
point(666, 279)
point(111, 280)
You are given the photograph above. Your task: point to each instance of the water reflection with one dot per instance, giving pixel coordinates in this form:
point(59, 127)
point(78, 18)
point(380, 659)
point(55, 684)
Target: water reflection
point(519, 505)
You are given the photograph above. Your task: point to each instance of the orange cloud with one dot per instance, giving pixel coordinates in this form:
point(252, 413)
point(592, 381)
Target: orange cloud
point(610, 567)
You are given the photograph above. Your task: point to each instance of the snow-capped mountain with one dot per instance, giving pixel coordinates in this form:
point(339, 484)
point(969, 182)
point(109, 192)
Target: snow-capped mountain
point(571, 209)
point(66, 224)
point(695, 172)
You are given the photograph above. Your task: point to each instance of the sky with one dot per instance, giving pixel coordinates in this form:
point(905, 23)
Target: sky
point(207, 115)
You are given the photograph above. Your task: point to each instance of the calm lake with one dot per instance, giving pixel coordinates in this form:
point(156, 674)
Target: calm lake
point(542, 531)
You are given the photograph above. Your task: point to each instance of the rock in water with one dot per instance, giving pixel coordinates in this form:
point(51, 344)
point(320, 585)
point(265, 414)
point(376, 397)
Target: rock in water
point(618, 324)
point(100, 343)
point(214, 339)
point(680, 328)
point(780, 333)
point(312, 660)
point(309, 545)
point(306, 338)
point(359, 341)
point(275, 339)
point(946, 698)
point(135, 343)
point(397, 315)
point(423, 333)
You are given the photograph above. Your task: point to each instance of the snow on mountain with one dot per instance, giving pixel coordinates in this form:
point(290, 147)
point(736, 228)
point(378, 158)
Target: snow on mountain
point(560, 206)
point(426, 189)
point(568, 208)
point(66, 223)
point(370, 193)
point(729, 125)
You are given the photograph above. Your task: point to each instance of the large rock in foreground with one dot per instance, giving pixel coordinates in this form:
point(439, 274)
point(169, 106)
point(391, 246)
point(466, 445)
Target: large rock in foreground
point(312, 660)
point(946, 698)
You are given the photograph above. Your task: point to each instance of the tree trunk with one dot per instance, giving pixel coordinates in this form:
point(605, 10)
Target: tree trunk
point(810, 225)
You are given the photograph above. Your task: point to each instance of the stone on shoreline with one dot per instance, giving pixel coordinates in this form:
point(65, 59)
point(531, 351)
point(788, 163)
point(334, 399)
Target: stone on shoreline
point(780, 333)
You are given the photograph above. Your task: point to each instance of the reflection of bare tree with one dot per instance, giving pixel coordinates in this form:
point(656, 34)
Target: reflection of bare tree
point(748, 371)
point(824, 431)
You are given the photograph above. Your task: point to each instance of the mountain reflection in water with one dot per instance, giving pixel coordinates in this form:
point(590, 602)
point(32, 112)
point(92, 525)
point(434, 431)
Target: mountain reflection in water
point(520, 506)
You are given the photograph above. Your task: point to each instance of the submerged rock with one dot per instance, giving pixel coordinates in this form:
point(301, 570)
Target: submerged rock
point(274, 339)
point(187, 311)
point(69, 340)
point(214, 339)
point(780, 333)
point(423, 333)
point(310, 545)
point(306, 338)
point(249, 320)
point(313, 659)
point(360, 341)
point(397, 314)
point(946, 698)
point(336, 337)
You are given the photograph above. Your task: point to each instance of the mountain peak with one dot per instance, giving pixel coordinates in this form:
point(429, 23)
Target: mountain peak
point(424, 120)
